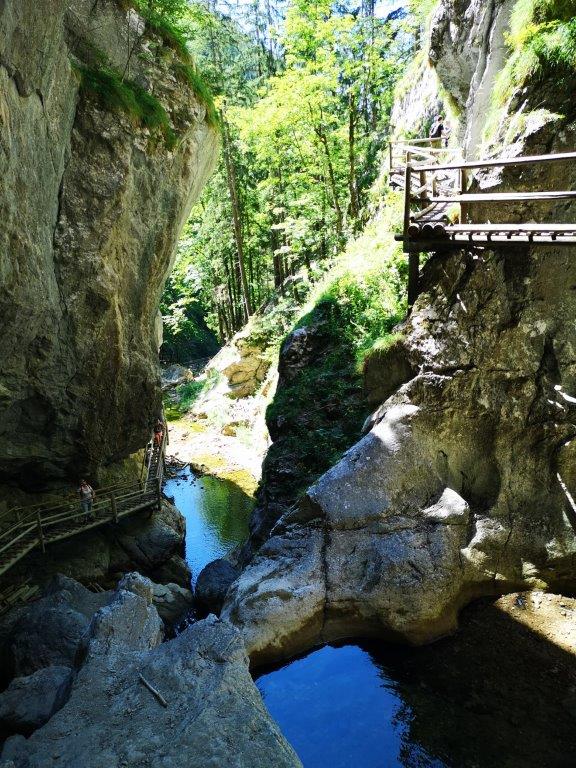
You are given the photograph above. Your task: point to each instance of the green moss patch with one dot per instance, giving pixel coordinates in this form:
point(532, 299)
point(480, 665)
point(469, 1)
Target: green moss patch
point(188, 72)
point(116, 94)
point(542, 59)
point(166, 27)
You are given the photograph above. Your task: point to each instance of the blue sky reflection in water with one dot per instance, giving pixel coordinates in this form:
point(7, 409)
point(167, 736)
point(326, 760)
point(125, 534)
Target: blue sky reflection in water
point(339, 709)
point(217, 514)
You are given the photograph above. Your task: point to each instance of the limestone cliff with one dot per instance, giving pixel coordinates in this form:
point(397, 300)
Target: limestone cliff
point(104, 145)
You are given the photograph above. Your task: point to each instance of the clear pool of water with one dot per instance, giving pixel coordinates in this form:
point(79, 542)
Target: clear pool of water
point(217, 514)
point(339, 707)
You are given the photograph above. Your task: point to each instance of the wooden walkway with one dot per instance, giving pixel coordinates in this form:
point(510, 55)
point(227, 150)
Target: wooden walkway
point(26, 528)
point(440, 211)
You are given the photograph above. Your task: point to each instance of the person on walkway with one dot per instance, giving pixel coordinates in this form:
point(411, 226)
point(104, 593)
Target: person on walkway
point(437, 127)
point(158, 432)
point(87, 497)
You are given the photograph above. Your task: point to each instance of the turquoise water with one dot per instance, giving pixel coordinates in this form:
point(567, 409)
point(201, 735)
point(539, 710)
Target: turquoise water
point(217, 514)
point(339, 707)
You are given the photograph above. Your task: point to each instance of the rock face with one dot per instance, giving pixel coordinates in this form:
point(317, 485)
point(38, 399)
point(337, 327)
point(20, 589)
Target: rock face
point(244, 364)
point(468, 50)
point(92, 204)
point(214, 714)
point(458, 489)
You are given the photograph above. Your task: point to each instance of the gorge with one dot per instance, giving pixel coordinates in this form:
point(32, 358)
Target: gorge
point(399, 591)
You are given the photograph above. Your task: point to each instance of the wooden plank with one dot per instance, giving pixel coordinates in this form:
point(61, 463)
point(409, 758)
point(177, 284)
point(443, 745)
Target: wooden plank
point(511, 227)
point(513, 239)
point(423, 140)
point(503, 162)
point(509, 197)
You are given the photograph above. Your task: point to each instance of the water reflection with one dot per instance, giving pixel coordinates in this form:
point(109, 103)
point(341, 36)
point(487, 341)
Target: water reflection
point(495, 695)
point(339, 707)
point(217, 514)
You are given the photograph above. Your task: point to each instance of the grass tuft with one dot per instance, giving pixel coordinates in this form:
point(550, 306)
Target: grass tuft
point(117, 94)
point(542, 42)
point(190, 74)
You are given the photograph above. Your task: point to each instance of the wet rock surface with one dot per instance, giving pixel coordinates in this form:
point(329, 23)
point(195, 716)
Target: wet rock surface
point(214, 714)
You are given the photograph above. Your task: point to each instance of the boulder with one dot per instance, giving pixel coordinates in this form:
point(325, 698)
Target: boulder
point(151, 542)
point(213, 583)
point(385, 372)
point(463, 484)
point(174, 375)
point(174, 571)
point(48, 632)
point(214, 715)
point(172, 602)
point(30, 701)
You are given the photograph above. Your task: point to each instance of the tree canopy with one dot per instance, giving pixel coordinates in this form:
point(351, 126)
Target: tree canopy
point(304, 92)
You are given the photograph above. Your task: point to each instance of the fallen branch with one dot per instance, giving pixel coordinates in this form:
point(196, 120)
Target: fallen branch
point(157, 695)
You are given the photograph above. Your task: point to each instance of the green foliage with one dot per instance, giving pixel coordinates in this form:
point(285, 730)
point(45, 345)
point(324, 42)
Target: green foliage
point(353, 309)
point(167, 19)
point(542, 40)
point(190, 74)
point(289, 101)
point(186, 336)
point(382, 345)
point(164, 17)
point(422, 10)
point(114, 93)
point(181, 400)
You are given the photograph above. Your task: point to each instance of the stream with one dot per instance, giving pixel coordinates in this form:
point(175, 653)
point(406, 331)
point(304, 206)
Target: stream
point(217, 514)
point(493, 696)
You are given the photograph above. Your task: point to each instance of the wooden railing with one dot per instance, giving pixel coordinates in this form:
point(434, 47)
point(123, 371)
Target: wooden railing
point(402, 151)
point(440, 209)
point(25, 528)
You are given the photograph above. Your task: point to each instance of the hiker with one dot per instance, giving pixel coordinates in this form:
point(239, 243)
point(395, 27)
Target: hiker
point(87, 497)
point(158, 432)
point(437, 127)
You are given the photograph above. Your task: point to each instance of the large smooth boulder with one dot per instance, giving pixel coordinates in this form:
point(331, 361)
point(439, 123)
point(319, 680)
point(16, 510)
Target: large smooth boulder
point(214, 715)
point(462, 486)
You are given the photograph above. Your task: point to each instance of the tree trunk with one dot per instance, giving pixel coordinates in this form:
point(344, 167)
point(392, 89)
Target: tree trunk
point(236, 216)
point(321, 134)
point(352, 184)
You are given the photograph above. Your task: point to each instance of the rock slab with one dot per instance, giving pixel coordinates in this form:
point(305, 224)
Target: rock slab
point(214, 714)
